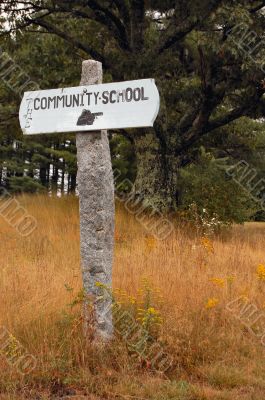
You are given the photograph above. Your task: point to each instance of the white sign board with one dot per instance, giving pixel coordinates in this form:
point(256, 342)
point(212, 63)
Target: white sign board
point(129, 104)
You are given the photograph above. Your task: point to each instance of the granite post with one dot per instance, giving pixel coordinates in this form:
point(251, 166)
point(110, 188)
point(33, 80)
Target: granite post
point(96, 199)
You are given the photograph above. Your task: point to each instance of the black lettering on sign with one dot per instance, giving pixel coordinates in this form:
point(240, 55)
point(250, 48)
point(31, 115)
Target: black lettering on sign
point(76, 100)
point(113, 94)
point(88, 98)
point(51, 101)
point(143, 97)
point(120, 94)
point(105, 96)
point(137, 94)
point(82, 100)
point(35, 103)
point(43, 103)
point(58, 100)
point(129, 95)
point(96, 97)
point(68, 101)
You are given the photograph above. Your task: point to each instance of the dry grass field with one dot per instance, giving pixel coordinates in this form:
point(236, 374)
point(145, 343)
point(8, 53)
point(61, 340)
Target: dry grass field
point(193, 284)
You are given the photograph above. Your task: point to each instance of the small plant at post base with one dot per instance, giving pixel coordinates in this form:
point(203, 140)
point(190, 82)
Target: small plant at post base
point(138, 322)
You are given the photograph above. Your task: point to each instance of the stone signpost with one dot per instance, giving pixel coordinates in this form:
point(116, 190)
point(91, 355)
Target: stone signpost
point(96, 196)
point(89, 110)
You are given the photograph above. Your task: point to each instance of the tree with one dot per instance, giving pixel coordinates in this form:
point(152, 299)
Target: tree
point(33, 163)
point(207, 185)
point(204, 55)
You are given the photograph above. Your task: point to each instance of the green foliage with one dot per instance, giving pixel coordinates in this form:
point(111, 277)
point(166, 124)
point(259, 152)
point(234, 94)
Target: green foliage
point(207, 184)
point(123, 162)
point(24, 184)
point(30, 164)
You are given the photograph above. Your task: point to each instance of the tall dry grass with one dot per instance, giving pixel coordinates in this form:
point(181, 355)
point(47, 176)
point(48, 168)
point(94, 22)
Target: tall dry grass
point(215, 356)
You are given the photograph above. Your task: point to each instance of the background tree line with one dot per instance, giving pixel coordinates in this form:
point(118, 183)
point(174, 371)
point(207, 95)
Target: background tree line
point(212, 95)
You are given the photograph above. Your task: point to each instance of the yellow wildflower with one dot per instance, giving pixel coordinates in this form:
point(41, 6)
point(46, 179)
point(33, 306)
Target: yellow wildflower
point(150, 242)
point(244, 294)
point(245, 298)
point(217, 281)
point(152, 311)
point(132, 300)
point(230, 279)
point(207, 244)
point(211, 303)
point(261, 272)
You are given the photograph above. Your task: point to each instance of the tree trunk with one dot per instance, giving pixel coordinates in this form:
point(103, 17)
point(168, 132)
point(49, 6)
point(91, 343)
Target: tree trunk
point(157, 173)
point(62, 178)
point(72, 187)
point(43, 175)
point(137, 25)
point(28, 157)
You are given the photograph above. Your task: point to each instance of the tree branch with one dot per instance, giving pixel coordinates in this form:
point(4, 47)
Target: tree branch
point(99, 13)
point(186, 27)
point(119, 34)
point(105, 16)
point(6, 119)
point(179, 34)
point(87, 49)
point(196, 133)
point(257, 8)
point(123, 9)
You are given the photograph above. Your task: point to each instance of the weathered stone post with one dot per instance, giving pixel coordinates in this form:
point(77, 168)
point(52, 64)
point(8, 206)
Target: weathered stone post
point(96, 194)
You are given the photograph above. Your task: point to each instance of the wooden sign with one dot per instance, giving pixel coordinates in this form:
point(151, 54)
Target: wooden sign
point(131, 104)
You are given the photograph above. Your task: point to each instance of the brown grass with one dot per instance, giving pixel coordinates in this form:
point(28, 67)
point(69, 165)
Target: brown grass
point(215, 356)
